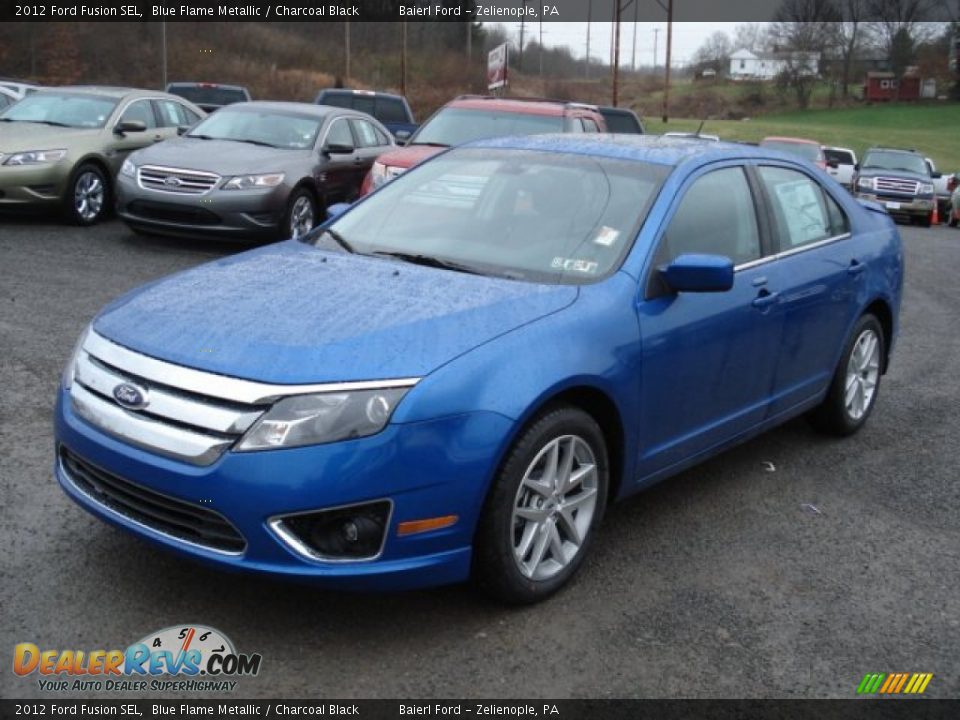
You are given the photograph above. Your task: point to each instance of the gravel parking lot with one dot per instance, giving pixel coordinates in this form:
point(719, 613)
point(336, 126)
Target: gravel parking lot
point(790, 566)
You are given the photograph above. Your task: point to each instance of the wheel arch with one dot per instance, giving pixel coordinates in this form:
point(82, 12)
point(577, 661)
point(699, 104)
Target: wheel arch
point(101, 164)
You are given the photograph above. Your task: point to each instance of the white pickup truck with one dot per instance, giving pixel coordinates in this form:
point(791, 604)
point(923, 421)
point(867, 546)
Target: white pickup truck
point(841, 165)
point(940, 189)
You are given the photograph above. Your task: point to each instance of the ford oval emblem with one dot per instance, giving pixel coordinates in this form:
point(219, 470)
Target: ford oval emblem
point(130, 396)
point(172, 181)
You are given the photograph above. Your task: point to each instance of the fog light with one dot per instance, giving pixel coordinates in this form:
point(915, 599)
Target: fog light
point(355, 532)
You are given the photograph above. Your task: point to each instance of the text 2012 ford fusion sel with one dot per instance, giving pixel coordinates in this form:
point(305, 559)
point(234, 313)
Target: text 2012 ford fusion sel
point(455, 376)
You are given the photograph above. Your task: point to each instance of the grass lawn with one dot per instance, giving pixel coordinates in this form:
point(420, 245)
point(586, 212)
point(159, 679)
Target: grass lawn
point(931, 129)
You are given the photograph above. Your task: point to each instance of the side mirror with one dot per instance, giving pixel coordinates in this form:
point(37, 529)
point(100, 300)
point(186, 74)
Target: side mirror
point(699, 273)
point(128, 126)
point(182, 129)
point(856, 167)
point(936, 175)
point(338, 149)
point(336, 210)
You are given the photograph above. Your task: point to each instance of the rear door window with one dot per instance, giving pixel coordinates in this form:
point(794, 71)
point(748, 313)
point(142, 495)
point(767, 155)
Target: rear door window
point(800, 208)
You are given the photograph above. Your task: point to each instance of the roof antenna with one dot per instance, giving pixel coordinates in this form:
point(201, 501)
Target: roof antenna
point(697, 133)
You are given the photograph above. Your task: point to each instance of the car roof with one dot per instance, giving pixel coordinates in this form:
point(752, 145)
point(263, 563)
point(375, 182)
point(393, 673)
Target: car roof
point(102, 90)
point(905, 151)
point(655, 149)
point(352, 91)
point(803, 141)
point(301, 108)
point(532, 106)
point(204, 84)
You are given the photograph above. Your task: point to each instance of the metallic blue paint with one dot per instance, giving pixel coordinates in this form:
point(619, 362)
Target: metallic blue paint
point(686, 374)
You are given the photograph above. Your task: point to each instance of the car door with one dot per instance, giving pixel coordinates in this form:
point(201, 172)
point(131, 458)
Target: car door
point(122, 144)
point(370, 144)
point(338, 171)
point(708, 359)
point(819, 272)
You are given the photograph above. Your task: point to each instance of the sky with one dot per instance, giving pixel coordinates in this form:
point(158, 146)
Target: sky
point(687, 37)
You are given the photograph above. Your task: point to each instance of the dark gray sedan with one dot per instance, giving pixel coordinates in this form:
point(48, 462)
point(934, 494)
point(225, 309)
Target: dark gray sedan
point(256, 169)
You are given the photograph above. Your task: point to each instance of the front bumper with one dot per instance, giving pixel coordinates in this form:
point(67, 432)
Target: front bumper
point(426, 469)
point(218, 213)
point(32, 185)
point(902, 205)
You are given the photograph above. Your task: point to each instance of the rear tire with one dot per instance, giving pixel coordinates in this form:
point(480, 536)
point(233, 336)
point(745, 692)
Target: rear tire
point(856, 381)
point(539, 519)
point(88, 196)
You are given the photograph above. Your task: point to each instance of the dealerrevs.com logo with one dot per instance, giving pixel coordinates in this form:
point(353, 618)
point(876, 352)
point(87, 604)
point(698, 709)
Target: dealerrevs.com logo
point(201, 658)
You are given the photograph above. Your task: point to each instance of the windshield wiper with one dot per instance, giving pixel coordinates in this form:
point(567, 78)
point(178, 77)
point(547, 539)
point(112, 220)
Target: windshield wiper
point(201, 137)
point(431, 144)
point(428, 261)
point(261, 143)
point(53, 123)
point(340, 240)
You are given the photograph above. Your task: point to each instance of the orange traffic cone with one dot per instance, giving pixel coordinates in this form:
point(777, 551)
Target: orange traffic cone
point(935, 215)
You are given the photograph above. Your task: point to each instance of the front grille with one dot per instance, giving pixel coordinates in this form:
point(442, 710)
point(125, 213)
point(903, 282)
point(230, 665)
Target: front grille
point(908, 187)
point(176, 518)
point(172, 213)
point(185, 423)
point(176, 180)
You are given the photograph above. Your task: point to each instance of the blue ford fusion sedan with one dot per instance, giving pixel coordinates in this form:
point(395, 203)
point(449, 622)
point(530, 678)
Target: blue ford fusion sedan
point(455, 376)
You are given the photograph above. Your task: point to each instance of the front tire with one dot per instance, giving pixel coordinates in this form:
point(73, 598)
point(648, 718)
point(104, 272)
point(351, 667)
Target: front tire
point(88, 195)
point(856, 381)
point(300, 216)
point(547, 500)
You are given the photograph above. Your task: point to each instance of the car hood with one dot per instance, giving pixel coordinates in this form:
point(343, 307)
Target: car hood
point(20, 136)
point(906, 174)
point(224, 157)
point(410, 155)
point(290, 313)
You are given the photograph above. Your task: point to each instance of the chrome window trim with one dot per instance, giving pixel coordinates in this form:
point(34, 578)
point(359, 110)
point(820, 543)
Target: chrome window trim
point(275, 523)
point(792, 251)
point(249, 392)
point(158, 437)
point(148, 528)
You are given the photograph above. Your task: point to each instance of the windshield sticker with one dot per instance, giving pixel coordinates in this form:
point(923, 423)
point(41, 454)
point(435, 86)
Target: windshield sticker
point(607, 236)
point(574, 265)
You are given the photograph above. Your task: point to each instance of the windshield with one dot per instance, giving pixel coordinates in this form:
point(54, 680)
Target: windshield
point(881, 160)
point(530, 215)
point(199, 95)
point(78, 111)
point(455, 126)
point(808, 151)
point(262, 127)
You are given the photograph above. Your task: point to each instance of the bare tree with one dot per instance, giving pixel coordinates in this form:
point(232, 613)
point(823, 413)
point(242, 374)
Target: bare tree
point(801, 31)
point(714, 53)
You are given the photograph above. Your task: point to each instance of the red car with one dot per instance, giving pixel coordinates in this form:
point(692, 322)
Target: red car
point(476, 117)
point(809, 150)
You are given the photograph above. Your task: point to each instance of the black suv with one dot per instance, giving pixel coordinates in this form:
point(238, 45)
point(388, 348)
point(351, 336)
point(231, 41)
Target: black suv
point(900, 180)
point(391, 110)
point(210, 97)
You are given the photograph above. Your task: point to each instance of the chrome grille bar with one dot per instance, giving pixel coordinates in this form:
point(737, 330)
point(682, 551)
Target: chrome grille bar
point(896, 185)
point(176, 180)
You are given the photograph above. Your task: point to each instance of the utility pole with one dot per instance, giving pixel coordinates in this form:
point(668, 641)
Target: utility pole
point(633, 58)
point(666, 81)
point(346, 49)
point(586, 69)
point(656, 36)
point(163, 52)
point(520, 54)
point(616, 51)
point(541, 54)
point(403, 58)
point(469, 41)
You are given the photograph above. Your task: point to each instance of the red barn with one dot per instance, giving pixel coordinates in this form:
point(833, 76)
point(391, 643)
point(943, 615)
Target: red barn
point(881, 86)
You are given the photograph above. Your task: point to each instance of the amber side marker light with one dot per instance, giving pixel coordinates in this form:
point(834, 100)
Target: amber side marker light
point(413, 527)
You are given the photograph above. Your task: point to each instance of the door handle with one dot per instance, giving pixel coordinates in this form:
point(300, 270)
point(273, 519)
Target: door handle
point(856, 267)
point(765, 298)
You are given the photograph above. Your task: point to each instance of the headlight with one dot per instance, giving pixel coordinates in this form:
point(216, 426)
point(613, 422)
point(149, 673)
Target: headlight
point(250, 182)
point(865, 183)
point(324, 418)
point(70, 369)
point(381, 174)
point(925, 189)
point(35, 157)
point(128, 168)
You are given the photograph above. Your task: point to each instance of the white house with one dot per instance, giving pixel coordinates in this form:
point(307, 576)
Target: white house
point(746, 65)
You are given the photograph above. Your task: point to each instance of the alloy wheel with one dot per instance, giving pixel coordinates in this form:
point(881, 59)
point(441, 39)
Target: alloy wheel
point(554, 507)
point(301, 216)
point(88, 196)
point(863, 373)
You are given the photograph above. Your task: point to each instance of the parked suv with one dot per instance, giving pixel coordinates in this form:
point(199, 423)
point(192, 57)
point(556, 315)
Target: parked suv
point(391, 110)
point(899, 180)
point(209, 96)
point(477, 117)
point(257, 169)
